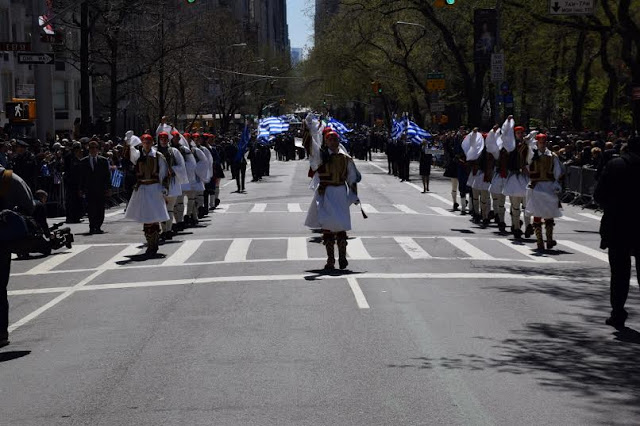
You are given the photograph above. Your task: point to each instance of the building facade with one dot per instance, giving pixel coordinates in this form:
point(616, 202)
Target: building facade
point(325, 9)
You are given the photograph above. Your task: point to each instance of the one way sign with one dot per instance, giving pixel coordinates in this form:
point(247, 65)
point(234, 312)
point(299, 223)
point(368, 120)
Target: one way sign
point(36, 58)
point(571, 7)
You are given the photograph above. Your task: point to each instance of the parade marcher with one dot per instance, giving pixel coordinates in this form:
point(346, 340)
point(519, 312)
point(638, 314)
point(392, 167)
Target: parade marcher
point(95, 186)
point(218, 171)
point(14, 195)
point(147, 204)
point(620, 228)
point(543, 203)
point(181, 143)
point(495, 147)
point(177, 175)
point(426, 158)
point(335, 179)
point(473, 147)
point(518, 180)
point(203, 197)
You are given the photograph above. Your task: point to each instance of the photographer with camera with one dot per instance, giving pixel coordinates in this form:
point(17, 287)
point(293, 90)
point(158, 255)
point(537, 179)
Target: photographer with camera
point(15, 200)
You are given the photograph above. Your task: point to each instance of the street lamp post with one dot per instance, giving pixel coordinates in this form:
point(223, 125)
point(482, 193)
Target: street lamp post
point(43, 78)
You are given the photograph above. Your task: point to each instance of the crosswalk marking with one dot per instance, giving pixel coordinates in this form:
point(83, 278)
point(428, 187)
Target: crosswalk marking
point(294, 208)
point(585, 250)
point(297, 248)
point(356, 250)
point(440, 198)
point(369, 208)
point(443, 212)
point(184, 252)
point(238, 250)
point(526, 251)
point(591, 216)
point(472, 251)
point(54, 261)
point(405, 209)
point(412, 248)
point(116, 213)
point(222, 208)
point(259, 208)
point(567, 219)
point(130, 250)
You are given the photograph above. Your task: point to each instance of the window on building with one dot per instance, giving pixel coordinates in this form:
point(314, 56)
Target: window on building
point(6, 87)
point(60, 95)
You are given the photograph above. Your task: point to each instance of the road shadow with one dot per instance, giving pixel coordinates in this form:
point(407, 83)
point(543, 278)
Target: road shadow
point(142, 257)
point(319, 273)
point(11, 355)
point(463, 231)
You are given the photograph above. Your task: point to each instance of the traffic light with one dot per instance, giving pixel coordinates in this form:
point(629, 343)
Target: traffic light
point(379, 88)
point(376, 86)
point(451, 2)
point(443, 3)
point(191, 1)
point(283, 101)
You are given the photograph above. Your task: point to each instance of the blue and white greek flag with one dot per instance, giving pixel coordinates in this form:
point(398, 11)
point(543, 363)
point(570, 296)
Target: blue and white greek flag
point(116, 178)
point(338, 126)
point(397, 129)
point(274, 125)
point(415, 134)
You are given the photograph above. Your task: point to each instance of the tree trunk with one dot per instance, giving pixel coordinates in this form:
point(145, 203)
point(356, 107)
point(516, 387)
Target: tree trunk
point(576, 98)
point(85, 80)
point(612, 88)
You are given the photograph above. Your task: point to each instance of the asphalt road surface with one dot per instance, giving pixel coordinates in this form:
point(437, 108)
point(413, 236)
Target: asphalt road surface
point(436, 321)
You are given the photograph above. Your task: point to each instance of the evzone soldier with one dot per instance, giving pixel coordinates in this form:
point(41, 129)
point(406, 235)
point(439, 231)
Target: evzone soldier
point(496, 149)
point(177, 176)
point(179, 143)
point(335, 180)
point(473, 147)
point(543, 203)
point(518, 179)
point(203, 196)
point(218, 154)
point(147, 204)
point(196, 165)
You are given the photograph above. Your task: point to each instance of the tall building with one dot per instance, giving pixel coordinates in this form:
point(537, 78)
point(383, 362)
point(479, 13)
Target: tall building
point(325, 9)
point(296, 55)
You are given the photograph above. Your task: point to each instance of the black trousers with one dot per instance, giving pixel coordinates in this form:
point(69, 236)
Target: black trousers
point(620, 264)
point(5, 266)
point(95, 209)
point(73, 203)
point(239, 171)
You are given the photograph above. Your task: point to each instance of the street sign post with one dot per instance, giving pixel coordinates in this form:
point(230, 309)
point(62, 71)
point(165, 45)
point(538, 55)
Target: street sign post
point(436, 81)
point(571, 7)
point(497, 67)
point(15, 47)
point(26, 91)
point(36, 58)
point(57, 38)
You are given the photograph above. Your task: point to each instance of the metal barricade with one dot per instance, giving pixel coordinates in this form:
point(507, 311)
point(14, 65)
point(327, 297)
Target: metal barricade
point(572, 183)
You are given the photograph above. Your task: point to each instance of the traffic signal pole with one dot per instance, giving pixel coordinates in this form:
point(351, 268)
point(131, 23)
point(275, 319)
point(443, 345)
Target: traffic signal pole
point(43, 78)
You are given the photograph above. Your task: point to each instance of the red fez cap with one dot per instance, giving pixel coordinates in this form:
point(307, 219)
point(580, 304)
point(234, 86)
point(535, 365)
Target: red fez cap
point(541, 137)
point(163, 134)
point(484, 135)
point(187, 135)
point(196, 135)
point(330, 132)
point(175, 133)
point(146, 136)
point(518, 129)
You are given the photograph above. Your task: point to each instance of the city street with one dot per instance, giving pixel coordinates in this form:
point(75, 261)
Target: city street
point(435, 321)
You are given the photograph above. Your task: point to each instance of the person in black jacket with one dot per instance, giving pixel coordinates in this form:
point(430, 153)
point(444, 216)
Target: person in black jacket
point(96, 184)
point(620, 229)
point(14, 195)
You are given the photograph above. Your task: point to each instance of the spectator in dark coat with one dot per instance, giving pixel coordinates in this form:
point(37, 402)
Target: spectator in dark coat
point(620, 228)
point(96, 183)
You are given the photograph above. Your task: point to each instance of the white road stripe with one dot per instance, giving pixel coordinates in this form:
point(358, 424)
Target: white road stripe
point(222, 208)
point(228, 183)
point(259, 208)
point(357, 292)
point(567, 219)
point(182, 255)
point(474, 252)
point(54, 261)
point(299, 277)
point(526, 251)
point(585, 250)
point(414, 185)
point(368, 208)
point(591, 216)
point(297, 248)
point(130, 250)
point(377, 167)
point(112, 214)
point(238, 250)
point(443, 212)
point(412, 248)
point(54, 302)
point(405, 209)
point(294, 208)
point(440, 198)
point(356, 250)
